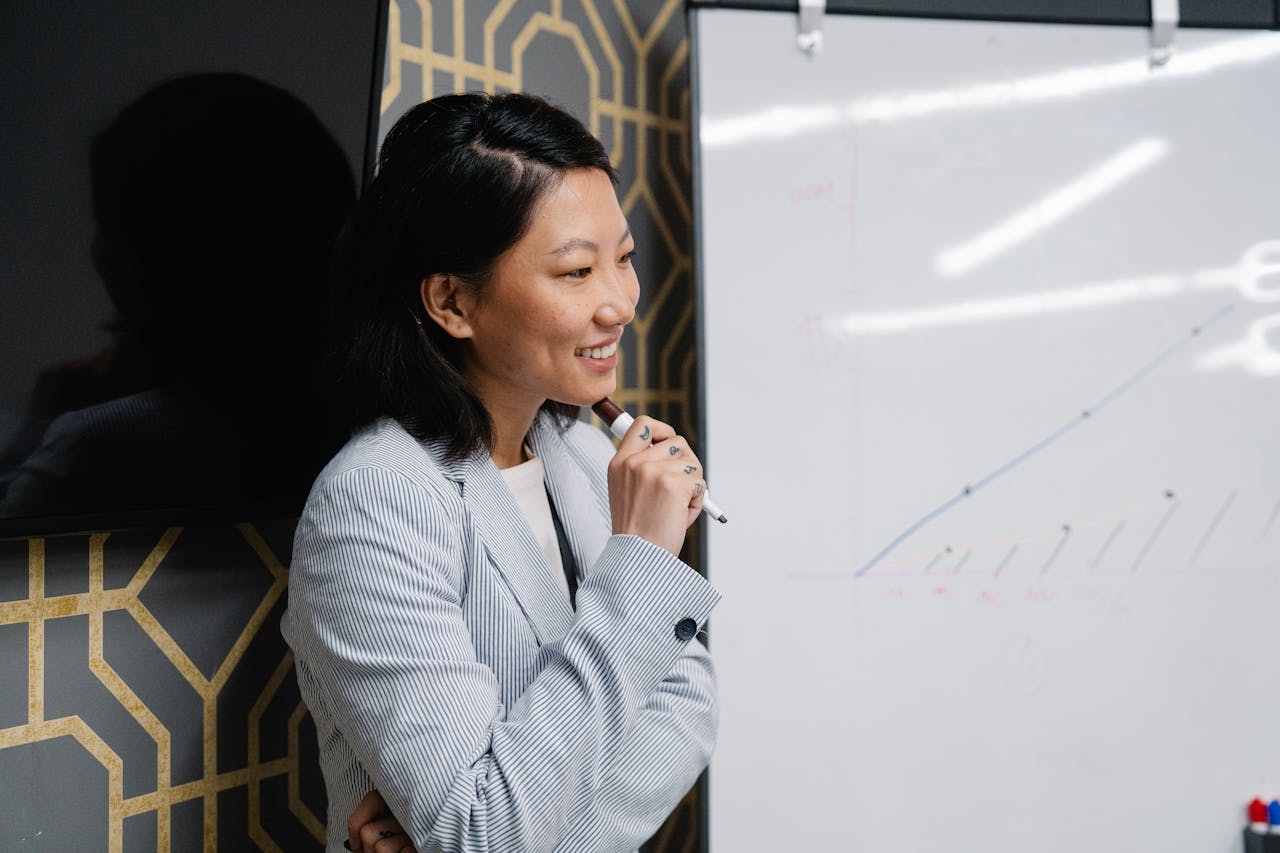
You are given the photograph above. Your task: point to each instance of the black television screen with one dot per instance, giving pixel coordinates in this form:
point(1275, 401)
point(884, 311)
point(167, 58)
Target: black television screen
point(176, 176)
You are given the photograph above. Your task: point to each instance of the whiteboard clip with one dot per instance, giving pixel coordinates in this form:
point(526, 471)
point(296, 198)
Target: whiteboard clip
point(1164, 23)
point(809, 37)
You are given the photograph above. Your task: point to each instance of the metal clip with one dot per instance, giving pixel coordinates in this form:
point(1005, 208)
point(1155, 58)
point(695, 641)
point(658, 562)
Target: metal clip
point(809, 37)
point(1164, 23)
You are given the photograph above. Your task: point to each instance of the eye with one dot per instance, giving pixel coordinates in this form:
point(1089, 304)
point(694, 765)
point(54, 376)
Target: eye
point(581, 272)
point(628, 257)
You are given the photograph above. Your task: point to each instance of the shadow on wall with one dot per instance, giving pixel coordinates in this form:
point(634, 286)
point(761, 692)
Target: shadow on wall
point(217, 200)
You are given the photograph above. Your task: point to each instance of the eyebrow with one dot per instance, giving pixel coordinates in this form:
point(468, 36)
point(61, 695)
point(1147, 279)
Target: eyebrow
point(579, 243)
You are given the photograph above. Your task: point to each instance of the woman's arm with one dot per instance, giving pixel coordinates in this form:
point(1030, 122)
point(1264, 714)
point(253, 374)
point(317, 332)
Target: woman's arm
point(376, 620)
point(659, 762)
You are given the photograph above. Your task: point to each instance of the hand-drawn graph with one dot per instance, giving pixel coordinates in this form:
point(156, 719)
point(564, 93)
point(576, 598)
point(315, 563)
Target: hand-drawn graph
point(1086, 414)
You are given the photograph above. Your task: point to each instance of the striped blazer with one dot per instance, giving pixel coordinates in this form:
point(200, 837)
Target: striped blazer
point(443, 665)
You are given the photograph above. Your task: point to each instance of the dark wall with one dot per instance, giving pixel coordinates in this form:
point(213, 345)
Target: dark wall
point(68, 68)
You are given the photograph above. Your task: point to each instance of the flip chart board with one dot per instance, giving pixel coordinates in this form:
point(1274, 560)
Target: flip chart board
point(991, 364)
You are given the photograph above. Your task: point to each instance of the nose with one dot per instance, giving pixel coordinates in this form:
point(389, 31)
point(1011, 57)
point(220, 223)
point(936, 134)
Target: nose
point(617, 306)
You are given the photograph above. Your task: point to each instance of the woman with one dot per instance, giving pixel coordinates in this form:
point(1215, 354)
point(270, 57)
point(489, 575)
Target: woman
point(491, 626)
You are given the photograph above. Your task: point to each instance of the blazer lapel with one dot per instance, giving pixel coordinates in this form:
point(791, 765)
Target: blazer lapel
point(513, 550)
point(580, 494)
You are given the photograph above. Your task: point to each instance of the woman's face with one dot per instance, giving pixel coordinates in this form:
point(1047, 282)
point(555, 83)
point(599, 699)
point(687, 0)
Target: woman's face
point(547, 324)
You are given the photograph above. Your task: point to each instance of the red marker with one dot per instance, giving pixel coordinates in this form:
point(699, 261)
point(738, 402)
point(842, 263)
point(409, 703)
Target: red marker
point(1258, 817)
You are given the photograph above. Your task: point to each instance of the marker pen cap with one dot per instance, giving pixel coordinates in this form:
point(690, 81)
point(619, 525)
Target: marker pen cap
point(1258, 816)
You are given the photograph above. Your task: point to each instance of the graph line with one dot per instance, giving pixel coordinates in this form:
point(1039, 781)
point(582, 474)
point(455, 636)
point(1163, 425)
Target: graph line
point(1217, 519)
point(1270, 521)
point(1005, 561)
point(1087, 413)
point(1066, 534)
point(1105, 545)
point(1164, 519)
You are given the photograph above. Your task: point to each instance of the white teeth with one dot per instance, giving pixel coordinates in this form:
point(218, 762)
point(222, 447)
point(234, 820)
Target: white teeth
point(597, 352)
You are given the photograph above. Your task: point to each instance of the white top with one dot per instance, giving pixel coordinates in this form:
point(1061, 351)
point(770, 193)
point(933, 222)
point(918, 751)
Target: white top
point(526, 482)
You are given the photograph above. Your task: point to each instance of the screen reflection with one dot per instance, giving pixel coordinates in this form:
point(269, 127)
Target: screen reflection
point(217, 200)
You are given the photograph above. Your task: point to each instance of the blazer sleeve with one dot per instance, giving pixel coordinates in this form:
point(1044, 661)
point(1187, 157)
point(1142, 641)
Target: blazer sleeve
point(377, 618)
point(678, 723)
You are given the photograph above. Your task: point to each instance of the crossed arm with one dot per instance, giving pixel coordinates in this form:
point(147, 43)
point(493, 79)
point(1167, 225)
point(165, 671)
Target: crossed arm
point(658, 764)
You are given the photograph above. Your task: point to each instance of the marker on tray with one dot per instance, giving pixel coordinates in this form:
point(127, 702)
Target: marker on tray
point(618, 422)
point(1262, 835)
point(1258, 817)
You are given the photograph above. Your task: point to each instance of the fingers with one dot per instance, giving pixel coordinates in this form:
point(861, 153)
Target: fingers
point(655, 485)
point(371, 807)
point(385, 836)
point(644, 432)
point(671, 453)
point(695, 503)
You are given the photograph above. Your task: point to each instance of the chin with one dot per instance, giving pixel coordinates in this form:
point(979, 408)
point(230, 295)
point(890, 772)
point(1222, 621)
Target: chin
point(580, 402)
point(588, 397)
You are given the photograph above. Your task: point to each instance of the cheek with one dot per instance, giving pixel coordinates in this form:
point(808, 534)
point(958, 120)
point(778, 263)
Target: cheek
point(548, 326)
point(568, 321)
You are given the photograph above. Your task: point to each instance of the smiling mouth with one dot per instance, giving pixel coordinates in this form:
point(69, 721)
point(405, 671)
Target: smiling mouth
point(597, 352)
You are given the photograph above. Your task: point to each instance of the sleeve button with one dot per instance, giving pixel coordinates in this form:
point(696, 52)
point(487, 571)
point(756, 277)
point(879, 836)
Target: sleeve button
point(685, 629)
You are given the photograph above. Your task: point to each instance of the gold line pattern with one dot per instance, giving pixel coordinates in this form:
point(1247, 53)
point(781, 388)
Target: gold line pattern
point(38, 609)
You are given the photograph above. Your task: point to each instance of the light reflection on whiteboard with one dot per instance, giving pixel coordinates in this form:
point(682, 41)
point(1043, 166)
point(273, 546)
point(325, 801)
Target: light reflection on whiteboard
point(1257, 277)
point(788, 120)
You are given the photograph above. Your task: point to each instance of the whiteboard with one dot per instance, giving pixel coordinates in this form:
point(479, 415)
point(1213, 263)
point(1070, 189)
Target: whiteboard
point(991, 363)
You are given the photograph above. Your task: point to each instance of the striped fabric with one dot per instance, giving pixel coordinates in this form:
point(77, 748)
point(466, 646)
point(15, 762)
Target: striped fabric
point(444, 667)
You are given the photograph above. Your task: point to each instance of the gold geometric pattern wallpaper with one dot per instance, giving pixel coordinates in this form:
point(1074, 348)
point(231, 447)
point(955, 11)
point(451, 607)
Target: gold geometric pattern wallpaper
point(147, 699)
point(157, 705)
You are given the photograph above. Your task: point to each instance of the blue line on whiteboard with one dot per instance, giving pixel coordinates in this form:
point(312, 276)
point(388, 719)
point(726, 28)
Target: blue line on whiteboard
point(1087, 413)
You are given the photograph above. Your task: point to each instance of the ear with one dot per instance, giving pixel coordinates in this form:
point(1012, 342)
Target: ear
point(449, 303)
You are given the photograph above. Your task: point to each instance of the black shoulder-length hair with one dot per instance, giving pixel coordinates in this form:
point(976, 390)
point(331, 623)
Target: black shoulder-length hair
point(457, 181)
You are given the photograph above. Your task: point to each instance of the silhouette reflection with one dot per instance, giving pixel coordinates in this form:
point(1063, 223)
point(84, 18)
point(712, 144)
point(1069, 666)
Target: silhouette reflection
point(218, 200)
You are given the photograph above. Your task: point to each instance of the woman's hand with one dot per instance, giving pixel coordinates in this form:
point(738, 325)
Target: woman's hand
point(655, 484)
point(372, 829)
